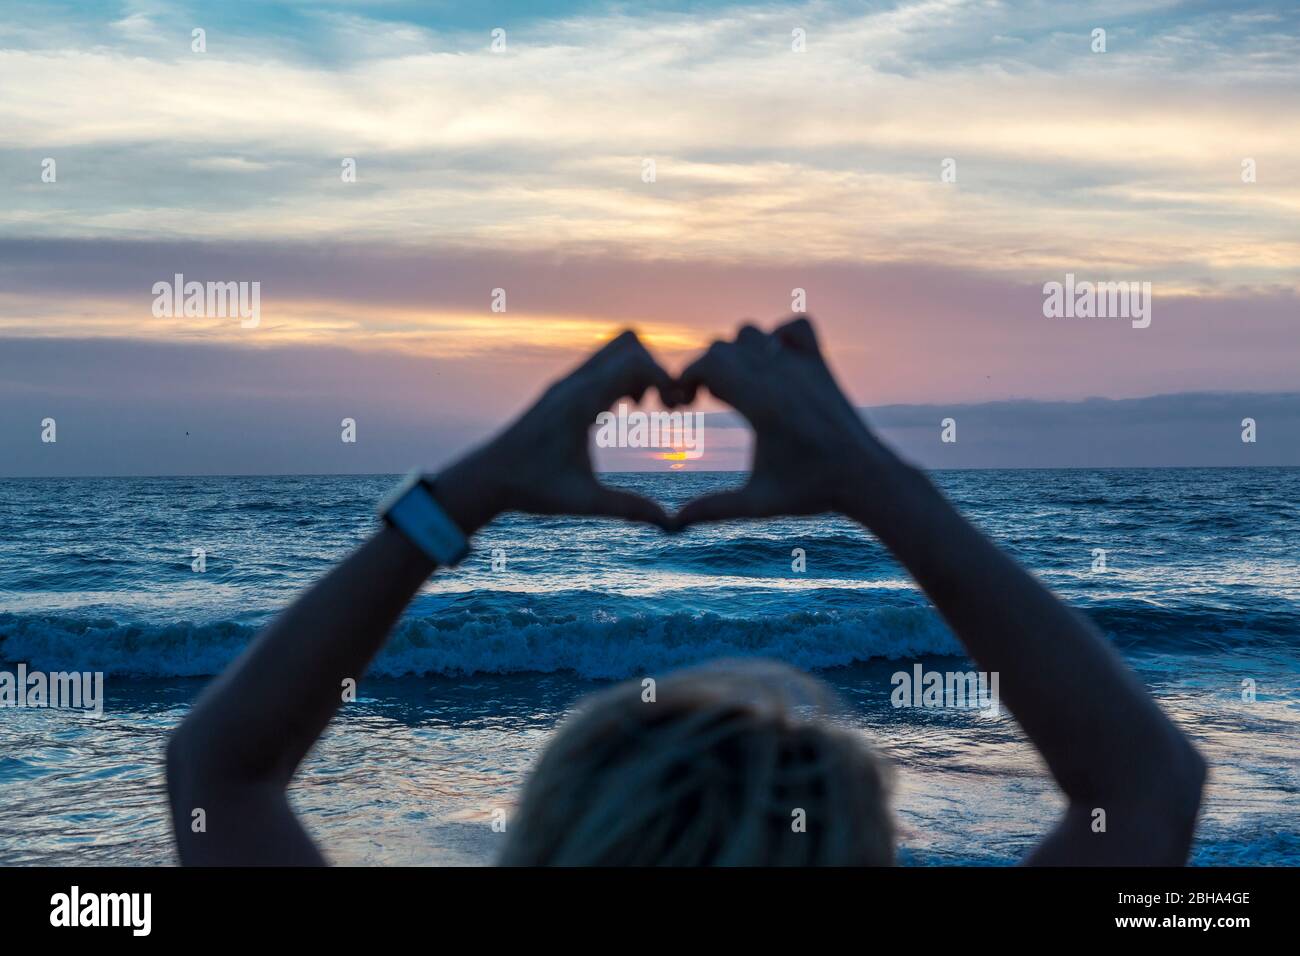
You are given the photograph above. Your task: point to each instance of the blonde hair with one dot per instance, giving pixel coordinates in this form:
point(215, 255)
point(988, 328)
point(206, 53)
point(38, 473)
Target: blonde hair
point(714, 771)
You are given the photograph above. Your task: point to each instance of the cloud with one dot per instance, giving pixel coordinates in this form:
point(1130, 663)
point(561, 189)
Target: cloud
point(895, 332)
point(1065, 158)
point(234, 164)
point(1186, 430)
point(774, 170)
point(1161, 431)
point(133, 407)
point(136, 27)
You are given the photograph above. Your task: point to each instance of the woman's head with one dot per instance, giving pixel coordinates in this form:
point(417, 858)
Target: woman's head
point(734, 763)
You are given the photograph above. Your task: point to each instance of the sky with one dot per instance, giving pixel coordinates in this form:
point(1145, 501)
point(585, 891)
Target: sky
point(919, 169)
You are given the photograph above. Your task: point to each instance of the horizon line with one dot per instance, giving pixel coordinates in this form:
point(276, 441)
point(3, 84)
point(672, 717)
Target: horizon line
point(666, 471)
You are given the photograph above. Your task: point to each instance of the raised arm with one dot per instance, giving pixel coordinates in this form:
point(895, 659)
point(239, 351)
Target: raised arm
point(1106, 742)
point(234, 754)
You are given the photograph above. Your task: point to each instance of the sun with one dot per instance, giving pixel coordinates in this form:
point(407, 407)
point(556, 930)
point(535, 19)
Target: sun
point(678, 459)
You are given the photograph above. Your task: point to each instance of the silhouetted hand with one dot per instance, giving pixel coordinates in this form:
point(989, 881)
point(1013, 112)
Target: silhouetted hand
point(809, 442)
point(541, 463)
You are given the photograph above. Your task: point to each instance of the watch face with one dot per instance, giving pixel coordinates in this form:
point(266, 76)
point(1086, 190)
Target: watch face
point(412, 480)
point(414, 511)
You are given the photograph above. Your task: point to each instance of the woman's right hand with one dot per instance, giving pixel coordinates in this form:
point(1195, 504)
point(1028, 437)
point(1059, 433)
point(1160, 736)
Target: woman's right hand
point(541, 463)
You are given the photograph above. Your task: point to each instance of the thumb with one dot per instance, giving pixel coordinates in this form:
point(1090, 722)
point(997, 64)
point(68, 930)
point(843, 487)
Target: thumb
point(719, 507)
point(613, 503)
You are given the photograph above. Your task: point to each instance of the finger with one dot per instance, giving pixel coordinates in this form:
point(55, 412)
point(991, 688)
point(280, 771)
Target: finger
point(727, 504)
point(615, 346)
point(797, 334)
point(615, 503)
point(750, 338)
point(712, 370)
point(623, 368)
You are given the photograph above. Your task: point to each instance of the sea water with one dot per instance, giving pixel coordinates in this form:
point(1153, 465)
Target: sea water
point(1194, 574)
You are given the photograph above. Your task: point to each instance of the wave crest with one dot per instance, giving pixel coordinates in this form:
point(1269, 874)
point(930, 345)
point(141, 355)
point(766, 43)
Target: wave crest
point(457, 644)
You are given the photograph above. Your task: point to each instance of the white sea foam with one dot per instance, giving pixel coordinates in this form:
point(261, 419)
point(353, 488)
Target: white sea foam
point(599, 646)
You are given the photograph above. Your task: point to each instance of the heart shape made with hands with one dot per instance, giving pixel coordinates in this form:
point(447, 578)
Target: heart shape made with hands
point(806, 431)
point(810, 444)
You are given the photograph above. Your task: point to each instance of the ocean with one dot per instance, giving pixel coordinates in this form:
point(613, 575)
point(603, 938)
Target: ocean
point(1200, 591)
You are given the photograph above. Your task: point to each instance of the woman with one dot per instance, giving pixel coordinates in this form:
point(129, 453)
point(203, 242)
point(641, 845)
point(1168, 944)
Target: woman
point(732, 764)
